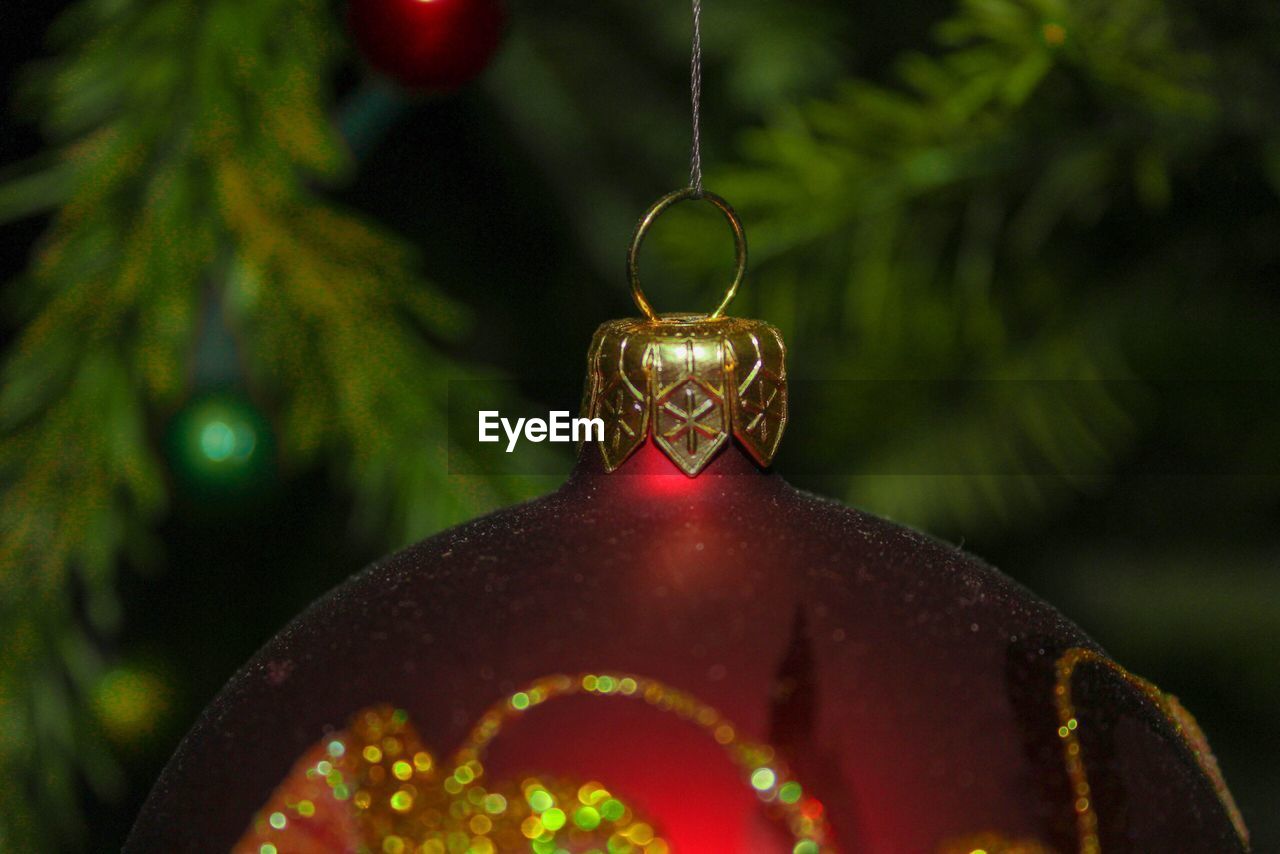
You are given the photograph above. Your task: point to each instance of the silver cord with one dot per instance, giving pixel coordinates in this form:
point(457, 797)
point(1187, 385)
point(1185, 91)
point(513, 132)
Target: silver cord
point(695, 158)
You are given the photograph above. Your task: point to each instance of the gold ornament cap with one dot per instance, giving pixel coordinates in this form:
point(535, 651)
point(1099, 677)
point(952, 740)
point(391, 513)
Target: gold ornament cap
point(689, 382)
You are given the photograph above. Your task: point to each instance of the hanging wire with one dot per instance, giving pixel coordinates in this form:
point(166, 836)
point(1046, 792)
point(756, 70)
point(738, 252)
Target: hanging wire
point(695, 158)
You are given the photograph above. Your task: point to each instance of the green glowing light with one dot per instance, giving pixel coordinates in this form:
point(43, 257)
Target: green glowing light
point(789, 793)
point(277, 820)
point(762, 779)
point(217, 440)
point(230, 440)
point(612, 809)
point(553, 819)
point(540, 801)
point(520, 701)
point(587, 818)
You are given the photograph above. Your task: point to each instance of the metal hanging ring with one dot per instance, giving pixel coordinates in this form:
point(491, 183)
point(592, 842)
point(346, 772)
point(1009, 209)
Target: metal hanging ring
point(655, 211)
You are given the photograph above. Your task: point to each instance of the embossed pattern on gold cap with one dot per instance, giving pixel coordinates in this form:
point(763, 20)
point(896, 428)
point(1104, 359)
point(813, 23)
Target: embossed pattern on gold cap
point(689, 383)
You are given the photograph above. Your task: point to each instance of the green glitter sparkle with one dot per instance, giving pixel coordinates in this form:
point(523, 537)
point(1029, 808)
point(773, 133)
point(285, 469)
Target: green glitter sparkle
point(762, 779)
point(540, 801)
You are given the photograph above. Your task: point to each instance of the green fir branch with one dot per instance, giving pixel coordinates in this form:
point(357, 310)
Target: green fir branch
point(935, 225)
point(206, 145)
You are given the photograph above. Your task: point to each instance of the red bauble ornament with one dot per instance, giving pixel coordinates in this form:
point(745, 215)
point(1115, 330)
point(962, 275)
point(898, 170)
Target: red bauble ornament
point(741, 666)
point(428, 44)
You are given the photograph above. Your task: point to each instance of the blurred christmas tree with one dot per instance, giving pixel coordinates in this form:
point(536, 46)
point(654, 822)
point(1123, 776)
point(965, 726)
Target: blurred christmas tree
point(1054, 199)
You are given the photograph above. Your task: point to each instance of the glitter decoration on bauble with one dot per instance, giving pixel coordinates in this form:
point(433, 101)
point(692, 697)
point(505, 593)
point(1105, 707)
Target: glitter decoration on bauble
point(741, 666)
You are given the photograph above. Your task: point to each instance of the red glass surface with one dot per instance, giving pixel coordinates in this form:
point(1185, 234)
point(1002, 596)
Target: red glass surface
point(908, 684)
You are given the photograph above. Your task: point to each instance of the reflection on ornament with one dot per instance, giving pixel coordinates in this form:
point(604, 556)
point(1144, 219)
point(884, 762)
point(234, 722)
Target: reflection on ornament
point(375, 787)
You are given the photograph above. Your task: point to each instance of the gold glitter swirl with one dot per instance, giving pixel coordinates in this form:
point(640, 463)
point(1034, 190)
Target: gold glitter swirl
point(1073, 757)
point(993, 843)
point(375, 787)
point(762, 768)
point(1190, 730)
point(1167, 704)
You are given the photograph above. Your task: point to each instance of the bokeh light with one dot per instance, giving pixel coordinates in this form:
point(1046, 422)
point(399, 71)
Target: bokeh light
point(130, 701)
point(220, 444)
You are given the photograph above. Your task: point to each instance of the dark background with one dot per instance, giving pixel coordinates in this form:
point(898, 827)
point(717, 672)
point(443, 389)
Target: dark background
point(1163, 544)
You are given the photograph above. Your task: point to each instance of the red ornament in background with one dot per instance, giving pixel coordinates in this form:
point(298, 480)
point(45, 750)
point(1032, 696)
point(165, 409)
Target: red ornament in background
point(428, 44)
point(741, 667)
